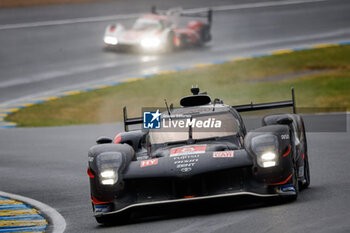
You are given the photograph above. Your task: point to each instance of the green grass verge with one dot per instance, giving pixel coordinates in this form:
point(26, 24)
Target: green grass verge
point(230, 82)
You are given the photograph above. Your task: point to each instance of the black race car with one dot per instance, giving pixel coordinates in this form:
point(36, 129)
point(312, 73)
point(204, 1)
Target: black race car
point(197, 152)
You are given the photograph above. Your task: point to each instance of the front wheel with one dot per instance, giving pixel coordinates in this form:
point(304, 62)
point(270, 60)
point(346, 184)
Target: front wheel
point(170, 46)
point(295, 184)
point(306, 181)
point(205, 35)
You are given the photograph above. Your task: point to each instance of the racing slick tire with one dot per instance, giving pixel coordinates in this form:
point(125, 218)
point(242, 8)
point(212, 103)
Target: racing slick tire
point(306, 173)
point(170, 46)
point(306, 183)
point(296, 186)
point(205, 35)
point(183, 41)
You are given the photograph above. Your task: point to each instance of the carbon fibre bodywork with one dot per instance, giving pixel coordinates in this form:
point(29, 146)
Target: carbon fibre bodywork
point(265, 162)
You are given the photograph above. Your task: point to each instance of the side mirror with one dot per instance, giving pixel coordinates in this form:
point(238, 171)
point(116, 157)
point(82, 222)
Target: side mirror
point(285, 121)
point(104, 139)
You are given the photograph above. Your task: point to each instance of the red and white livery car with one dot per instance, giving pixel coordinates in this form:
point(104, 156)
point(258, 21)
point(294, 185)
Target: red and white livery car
point(159, 32)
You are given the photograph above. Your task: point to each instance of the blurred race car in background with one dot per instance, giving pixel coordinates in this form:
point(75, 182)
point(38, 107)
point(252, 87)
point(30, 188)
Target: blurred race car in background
point(160, 32)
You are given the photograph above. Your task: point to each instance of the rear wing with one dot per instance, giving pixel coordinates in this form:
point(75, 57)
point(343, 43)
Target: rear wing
point(130, 121)
point(198, 13)
point(239, 108)
point(204, 14)
point(264, 106)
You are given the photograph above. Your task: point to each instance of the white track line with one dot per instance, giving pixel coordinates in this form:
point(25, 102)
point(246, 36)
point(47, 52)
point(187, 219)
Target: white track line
point(253, 5)
point(67, 21)
point(324, 35)
point(71, 71)
point(129, 16)
point(58, 222)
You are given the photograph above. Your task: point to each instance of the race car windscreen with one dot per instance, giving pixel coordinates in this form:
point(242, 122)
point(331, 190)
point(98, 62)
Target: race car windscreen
point(202, 127)
point(146, 24)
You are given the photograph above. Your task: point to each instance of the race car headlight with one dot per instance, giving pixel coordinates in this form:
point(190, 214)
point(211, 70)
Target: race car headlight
point(108, 182)
point(150, 42)
point(108, 174)
point(265, 148)
point(268, 159)
point(111, 40)
point(269, 164)
point(268, 156)
point(108, 177)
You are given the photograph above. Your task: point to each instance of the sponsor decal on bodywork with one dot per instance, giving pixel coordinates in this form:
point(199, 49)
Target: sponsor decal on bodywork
point(186, 169)
point(185, 163)
point(102, 208)
point(188, 150)
point(286, 189)
point(150, 162)
point(223, 154)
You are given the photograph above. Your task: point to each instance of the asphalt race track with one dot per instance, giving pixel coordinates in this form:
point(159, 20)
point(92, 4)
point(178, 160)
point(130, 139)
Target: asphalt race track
point(43, 58)
point(49, 164)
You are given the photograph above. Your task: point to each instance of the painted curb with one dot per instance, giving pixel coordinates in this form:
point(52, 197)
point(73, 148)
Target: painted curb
point(56, 222)
point(14, 107)
point(16, 216)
